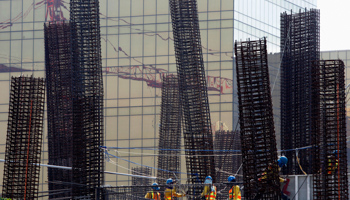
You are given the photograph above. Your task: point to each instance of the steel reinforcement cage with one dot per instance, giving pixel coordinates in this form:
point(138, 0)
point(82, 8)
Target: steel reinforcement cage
point(228, 158)
point(59, 86)
point(329, 131)
point(259, 152)
point(300, 45)
point(169, 131)
point(127, 192)
point(198, 138)
point(140, 192)
point(88, 163)
point(24, 138)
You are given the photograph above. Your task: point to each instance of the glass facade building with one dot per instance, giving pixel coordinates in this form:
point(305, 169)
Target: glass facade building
point(137, 49)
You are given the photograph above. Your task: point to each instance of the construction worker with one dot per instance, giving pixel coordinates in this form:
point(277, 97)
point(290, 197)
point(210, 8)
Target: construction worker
point(333, 164)
point(209, 191)
point(153, 194)
point(235, 192)
point(268, 176)
point(170, 191)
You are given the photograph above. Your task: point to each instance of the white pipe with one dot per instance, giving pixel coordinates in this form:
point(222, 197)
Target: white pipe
point(308, 187)
point(106, 172)
point(296, 187)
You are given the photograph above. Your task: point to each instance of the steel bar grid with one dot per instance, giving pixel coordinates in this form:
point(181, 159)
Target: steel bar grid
point(169, 131)
point(228, 158)
point(258, 138)
point(125, 193)
point(140, 192)
point(59, 85)
point(24, 136)
point(88, 163)
point(198, 139)
point(300, 45)
point(329, 131)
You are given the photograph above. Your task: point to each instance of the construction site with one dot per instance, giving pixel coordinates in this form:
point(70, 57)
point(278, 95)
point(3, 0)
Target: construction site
point(113, 101)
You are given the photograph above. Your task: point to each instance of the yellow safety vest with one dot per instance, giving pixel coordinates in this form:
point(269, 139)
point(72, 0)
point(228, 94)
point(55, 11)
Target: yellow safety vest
point(234, 193)
point(211, 195)
point(170, 193)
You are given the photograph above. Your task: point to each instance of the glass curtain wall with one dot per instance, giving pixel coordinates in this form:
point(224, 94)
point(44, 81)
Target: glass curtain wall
point(137, 49)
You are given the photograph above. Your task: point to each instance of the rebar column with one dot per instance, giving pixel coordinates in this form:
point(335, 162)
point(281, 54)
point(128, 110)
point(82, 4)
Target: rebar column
point(329, 131)
point(169, 131)
point(228, 158)
point(59, 86)
point(198, 139)
point(140, 192)
point(300, 45)
point(259, 152)
point(88, 163)
point(24, 138)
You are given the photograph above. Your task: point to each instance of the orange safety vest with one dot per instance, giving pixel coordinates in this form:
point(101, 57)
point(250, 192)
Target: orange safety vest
point(154, 195)
point(234, 193)
point(211, 195)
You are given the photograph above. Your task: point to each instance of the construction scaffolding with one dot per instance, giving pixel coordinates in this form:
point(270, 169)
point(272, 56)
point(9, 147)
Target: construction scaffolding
point(228, 158)
point(198, 138)
point(329, 131)
point(300, 45)
point(259, 152)
point(169, 131)
point(24, 138)
point(88, 163)
point(59, 85)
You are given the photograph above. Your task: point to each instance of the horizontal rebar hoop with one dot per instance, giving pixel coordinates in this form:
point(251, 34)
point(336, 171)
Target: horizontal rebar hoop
point(24, 138)
point(59, 75)
point(193, 91)
point(329, 131)
point(256, 121)
point(300, 45)
point(169, 131)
